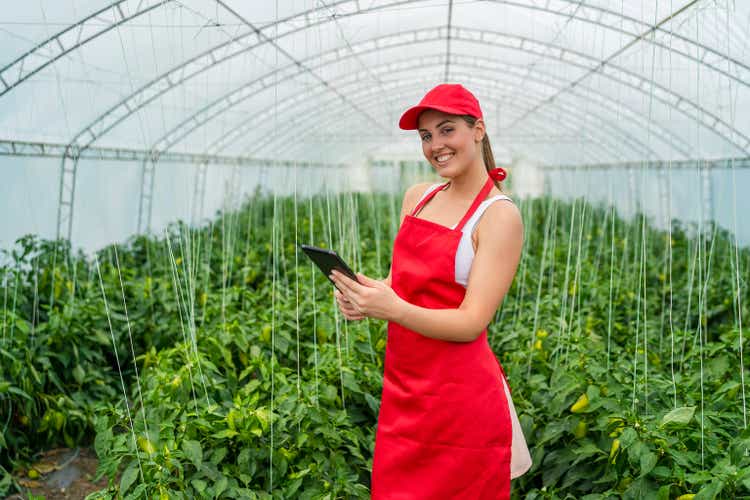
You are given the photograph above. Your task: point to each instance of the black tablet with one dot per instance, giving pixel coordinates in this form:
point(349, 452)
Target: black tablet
point(326, 260)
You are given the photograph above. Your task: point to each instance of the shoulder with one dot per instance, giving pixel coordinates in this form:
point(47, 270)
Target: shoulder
point(416, 190)
point(501, 220)
point(413, 193)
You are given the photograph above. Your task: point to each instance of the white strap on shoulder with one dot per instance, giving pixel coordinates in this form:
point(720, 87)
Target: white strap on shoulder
point(428, 191)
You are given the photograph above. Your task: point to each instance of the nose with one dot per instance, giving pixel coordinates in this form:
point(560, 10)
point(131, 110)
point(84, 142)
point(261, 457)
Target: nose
point(436, 144)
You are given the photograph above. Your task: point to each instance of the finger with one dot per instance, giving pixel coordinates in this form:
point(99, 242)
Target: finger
point(349, 308)
point(348, 305)
point(339, 295)
point(344, 301)
point(346, 281)
point(338, 281)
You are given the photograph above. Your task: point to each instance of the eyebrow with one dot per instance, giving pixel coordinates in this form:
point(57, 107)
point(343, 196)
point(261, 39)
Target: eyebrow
point(437, 126)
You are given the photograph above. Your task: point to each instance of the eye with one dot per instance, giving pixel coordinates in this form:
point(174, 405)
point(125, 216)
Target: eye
point(447, 130)
point(426, 137)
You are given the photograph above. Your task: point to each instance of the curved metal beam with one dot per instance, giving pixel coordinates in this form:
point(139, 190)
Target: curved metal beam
point(714, 123)
point(368, 99)
point(56, 46)
point(640, 30)
point(489, 90)
point(225, 141)
point(362, 96)
point(264, 82)
point(222, 52)
point(74, 36)
point(486, 83)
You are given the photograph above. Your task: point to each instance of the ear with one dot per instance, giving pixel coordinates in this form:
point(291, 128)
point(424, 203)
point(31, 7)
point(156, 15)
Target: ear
point(479, 130)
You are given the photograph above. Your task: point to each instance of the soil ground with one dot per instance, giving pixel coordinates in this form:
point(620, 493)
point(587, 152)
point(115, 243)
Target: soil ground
point(64, 473)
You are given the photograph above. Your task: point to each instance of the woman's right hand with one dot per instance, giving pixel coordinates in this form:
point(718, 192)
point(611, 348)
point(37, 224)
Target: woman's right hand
point(346, 307)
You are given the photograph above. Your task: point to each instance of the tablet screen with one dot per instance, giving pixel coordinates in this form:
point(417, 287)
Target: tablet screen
point(327, 260)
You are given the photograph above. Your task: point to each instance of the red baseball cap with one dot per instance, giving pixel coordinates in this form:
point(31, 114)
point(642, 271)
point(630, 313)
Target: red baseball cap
point(446, 97)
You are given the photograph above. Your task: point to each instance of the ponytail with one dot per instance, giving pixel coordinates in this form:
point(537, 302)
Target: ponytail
point(487, 156)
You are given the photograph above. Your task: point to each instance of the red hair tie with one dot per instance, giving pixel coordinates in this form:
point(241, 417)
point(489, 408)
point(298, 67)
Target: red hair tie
point(497, 174)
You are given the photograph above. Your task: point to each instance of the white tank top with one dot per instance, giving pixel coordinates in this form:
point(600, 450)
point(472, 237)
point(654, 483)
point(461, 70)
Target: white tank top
point(465, 251)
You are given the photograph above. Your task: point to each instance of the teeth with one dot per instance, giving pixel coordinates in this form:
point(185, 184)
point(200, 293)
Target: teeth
point(443, 157)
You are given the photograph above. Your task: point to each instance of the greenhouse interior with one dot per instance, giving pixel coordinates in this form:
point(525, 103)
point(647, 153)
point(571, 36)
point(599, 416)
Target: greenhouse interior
point(164, 334)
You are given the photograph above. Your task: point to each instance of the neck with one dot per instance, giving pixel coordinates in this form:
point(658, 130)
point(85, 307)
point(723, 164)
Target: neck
point(468, 184)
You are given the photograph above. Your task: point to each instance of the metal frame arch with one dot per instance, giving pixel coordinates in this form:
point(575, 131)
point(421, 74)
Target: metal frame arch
point(645, 149)
point(605, 139)
point(369, 97)
point(514, 42)
point(287, 104)
point(605, 101)
point(717, 126)
point(57, 47)
point(178, 75)
point(655, 124)
point(657, 91)
point(242, 128)
point(598, 13)
point(524, 44)
point(308, 113)
point(626, 137)
point(584, 12)
point(211, 57)
point(218, 146)
point(247, 90)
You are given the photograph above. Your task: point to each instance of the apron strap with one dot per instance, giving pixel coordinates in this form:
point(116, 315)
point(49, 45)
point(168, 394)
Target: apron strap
point(473, 208)
point(479, 199)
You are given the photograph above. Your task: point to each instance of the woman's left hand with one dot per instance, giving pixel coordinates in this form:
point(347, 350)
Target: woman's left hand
point(370, 297)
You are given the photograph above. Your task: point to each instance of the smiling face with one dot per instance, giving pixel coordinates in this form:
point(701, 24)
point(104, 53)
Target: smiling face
point(449, 143)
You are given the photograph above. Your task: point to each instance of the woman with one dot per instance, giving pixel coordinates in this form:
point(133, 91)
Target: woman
point(446, 422)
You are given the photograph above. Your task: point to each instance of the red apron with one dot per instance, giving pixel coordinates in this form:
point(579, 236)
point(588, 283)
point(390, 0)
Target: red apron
point(444, 428)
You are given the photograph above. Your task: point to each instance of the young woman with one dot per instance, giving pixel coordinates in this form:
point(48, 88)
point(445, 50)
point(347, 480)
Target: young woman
point(446, 424)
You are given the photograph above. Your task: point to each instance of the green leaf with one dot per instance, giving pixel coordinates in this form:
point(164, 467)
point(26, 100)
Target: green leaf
point(19, 392)
point(640, 489)
point(102, 441)
point(193, 452)
point(220, 486)
point(648, 461)
point(586, 450)
point(138, 492)
point(710, 491)
point(226, 433)
point(373, 403)
point(628, 437)
point(128, 477)
point(218, 455)
point(681, 415)
point(292, 487)
point(663, 493)
point(79, 374)
point(199, 485)
point(263, 416)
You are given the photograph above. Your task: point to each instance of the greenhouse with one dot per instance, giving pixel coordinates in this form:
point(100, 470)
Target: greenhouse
point(179, 177)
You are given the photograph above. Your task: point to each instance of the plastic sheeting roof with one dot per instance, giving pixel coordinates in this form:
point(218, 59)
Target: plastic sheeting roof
point(560, 81)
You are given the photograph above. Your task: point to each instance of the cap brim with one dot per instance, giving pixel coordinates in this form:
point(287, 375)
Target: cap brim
point(410, 119)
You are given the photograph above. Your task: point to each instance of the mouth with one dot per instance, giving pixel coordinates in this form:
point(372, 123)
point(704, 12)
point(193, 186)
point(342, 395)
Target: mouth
point(443, 158)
